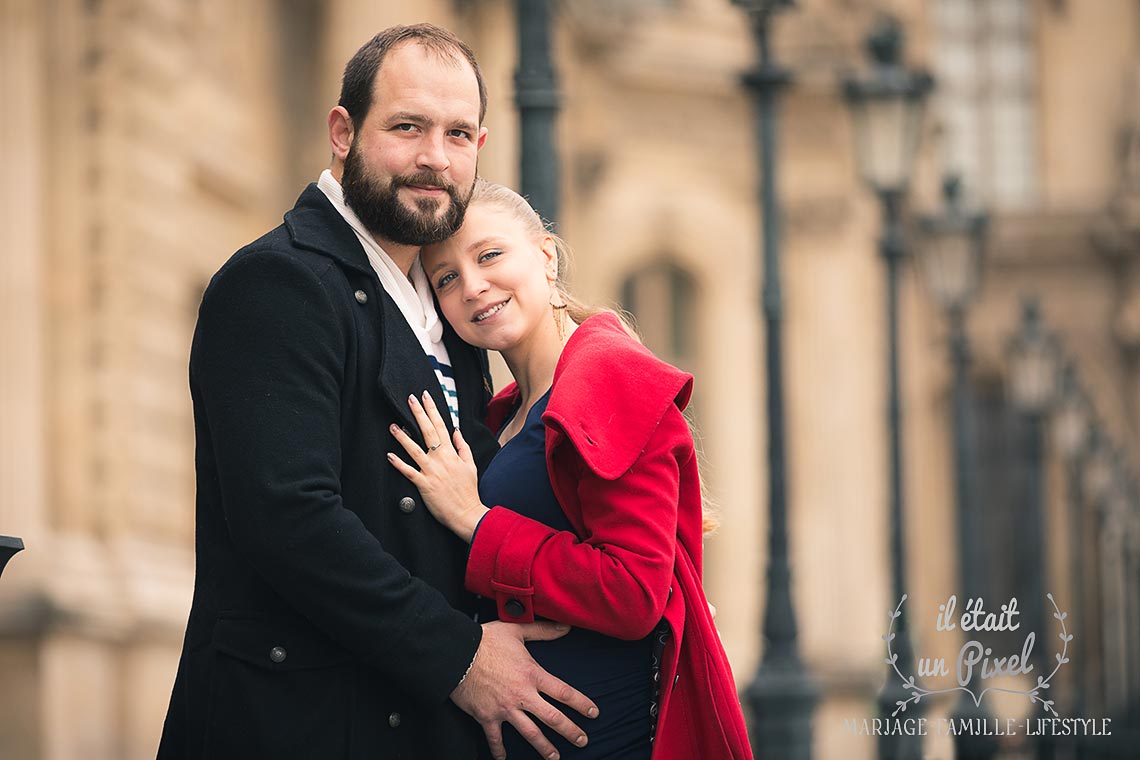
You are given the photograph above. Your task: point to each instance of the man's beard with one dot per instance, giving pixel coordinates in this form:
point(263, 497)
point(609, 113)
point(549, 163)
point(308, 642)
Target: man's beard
point(380, 210)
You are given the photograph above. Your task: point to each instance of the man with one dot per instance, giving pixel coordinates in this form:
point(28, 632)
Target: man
point(329, 618)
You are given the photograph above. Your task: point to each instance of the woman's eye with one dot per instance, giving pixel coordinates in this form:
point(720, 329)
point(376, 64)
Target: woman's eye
point(442, 281)
point(487, 255)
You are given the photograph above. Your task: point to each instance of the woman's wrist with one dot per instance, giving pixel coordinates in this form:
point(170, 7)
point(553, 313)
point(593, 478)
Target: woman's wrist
point(468, 521)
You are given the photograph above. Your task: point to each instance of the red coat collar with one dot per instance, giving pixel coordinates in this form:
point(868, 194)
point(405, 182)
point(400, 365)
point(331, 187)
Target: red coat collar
point(609, 395)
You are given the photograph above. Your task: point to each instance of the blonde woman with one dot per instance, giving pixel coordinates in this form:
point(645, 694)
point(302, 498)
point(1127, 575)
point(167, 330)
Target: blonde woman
point(596, 515)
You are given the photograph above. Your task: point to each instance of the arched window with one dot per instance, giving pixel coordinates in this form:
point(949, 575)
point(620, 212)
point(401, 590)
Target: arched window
point(662, 299)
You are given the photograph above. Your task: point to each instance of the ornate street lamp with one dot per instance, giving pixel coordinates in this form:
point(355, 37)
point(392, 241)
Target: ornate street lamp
point(953, 246)
point(1033, 372)
point(950, 259)
point(9, 545)
point(782, 696)
point(536, 95)
point(886, 109)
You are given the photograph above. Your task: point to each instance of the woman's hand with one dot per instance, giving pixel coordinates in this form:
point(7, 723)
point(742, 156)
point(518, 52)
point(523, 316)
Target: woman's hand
point(447, 478)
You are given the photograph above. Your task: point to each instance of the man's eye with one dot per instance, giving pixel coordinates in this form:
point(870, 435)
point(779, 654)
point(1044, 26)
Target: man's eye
point(405, 127)
point(460, 133)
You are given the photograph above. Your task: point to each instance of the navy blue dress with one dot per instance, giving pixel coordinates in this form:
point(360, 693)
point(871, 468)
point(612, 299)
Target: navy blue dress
point(616, 674)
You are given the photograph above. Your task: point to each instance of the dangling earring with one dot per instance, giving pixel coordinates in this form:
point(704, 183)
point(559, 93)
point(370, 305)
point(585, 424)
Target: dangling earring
point(558, 311)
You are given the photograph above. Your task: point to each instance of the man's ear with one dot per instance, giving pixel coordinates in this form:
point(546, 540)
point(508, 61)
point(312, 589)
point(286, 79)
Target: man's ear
point(482, 138)
point(340, 132)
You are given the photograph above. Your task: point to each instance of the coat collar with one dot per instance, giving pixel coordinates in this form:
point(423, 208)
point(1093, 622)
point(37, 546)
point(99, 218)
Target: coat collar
point(609, 428)
point(316, 225)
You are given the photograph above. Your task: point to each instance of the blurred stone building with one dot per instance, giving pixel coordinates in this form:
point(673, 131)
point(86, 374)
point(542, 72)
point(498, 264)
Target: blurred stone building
point(145, 140)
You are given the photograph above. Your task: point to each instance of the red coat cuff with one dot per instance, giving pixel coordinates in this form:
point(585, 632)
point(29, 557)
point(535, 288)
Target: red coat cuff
point(499, 565)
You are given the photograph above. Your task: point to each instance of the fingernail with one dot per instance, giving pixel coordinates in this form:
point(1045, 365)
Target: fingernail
point(393, 428)
point(411, 399)
point(552, 756)
point(592, 712)
point(581, 741)
point(391, 455)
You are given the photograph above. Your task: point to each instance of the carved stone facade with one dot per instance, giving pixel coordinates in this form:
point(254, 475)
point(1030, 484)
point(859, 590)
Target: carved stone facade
point(145, 140)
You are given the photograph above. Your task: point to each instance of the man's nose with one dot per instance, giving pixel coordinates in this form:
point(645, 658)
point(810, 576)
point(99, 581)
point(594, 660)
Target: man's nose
point(432, 154)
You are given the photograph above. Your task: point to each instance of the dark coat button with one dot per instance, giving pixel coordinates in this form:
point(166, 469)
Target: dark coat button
point(407, 505)
point(394, 720)
point(278, 654)
point(361, 297)
point(515, 608)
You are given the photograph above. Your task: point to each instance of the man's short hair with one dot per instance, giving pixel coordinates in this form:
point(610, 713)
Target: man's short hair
point(360, 72)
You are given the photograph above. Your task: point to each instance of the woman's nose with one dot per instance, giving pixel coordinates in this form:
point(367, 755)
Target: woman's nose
point(474, 287)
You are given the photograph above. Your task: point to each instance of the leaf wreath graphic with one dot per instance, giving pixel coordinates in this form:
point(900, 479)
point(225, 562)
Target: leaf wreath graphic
point(917, 692)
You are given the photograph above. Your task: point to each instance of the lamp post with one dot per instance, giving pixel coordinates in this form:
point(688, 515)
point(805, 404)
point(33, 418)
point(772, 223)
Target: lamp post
point(781, 695)
point(1033, 359)
point(887, 107)
point(1114, 587)
point(536, 95)
point(950, 258)
point(1131, 540)
point(1132, 590)
point(1072, 421)
point(1099, 472)
point(9, 545)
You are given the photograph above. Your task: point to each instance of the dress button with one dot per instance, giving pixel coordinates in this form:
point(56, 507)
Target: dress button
point(361, 296)
point(278, 654)
point(407, 505)
point(394, 720)
point(515, 608)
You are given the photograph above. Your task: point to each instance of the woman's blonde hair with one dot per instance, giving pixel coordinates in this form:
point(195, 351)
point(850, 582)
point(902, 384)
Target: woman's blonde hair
point(506, 199)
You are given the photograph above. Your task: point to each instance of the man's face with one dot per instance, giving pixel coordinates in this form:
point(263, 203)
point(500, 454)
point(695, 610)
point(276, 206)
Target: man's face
point(411, 167)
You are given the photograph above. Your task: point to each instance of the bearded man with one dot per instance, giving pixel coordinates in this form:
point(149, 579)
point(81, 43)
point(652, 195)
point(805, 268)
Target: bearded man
point(329, 617)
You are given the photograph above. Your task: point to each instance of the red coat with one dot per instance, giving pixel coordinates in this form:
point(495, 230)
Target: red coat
point(621, 461)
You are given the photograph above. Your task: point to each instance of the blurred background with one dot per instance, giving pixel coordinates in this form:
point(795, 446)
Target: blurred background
point(896, 241)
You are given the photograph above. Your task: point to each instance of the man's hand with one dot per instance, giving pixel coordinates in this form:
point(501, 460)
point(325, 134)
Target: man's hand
point(505, 683)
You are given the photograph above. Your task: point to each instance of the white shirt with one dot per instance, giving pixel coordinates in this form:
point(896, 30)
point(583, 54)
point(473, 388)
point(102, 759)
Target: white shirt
point(411, 293)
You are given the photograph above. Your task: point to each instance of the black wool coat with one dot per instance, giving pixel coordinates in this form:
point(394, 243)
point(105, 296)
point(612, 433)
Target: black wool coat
point(329, 617)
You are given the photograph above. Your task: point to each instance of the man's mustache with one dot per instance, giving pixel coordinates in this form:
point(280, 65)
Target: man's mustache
point(424, 179)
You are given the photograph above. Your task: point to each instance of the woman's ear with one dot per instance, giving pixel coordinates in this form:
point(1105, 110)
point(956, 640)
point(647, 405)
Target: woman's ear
point(550, 257)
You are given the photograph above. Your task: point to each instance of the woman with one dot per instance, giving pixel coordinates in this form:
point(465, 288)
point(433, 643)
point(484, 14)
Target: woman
point(600, 522)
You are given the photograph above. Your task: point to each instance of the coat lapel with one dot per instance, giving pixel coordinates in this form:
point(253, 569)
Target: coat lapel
point(314, 224)
point(405, 369)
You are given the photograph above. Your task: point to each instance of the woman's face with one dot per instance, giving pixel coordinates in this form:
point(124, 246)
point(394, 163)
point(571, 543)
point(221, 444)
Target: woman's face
point(493, 279)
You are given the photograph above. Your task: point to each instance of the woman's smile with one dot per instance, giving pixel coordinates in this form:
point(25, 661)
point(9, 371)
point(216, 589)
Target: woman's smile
point(488, 313)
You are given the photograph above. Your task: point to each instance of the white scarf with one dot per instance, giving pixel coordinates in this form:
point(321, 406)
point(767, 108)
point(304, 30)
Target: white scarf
point(412, 296)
